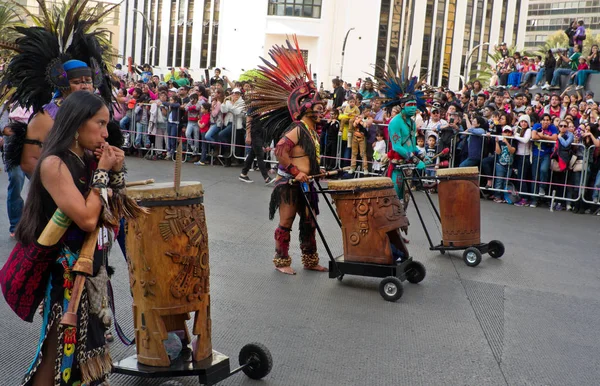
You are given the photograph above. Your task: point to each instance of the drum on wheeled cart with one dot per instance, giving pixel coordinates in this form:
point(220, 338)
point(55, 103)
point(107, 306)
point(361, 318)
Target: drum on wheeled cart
point(168, 261)
point(370, 216)
point(459, 214)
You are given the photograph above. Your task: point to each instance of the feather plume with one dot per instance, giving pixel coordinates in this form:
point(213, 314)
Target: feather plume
point(270, 99)
point(400, 87)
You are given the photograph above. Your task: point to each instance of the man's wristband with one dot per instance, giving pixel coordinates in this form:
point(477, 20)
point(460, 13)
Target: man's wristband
point(293, 170)
point(117, 179)
point(100, 178)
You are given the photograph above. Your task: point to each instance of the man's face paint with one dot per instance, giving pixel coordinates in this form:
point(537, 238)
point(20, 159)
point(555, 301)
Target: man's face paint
point(410, 109)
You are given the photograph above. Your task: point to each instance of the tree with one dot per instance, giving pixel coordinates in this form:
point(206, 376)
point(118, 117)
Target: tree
point(9, 19)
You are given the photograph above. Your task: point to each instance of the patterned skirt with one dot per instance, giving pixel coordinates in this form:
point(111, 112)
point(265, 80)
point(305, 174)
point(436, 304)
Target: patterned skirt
point(82, 354)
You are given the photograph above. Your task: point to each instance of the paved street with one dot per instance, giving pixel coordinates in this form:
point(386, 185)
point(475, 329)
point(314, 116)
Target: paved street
point(529, 318)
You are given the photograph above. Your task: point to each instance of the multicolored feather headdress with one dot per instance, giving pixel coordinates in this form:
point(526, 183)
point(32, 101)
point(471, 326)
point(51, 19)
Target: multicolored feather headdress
point(284, 90)
point(63, 33)
point(402, 87)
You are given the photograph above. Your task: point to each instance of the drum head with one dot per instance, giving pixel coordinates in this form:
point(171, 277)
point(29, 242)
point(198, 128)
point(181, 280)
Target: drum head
point(165, 191)
point(361, 183)
point(458, 171)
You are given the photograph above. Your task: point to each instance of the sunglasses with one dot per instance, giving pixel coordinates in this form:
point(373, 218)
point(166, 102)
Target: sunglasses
point(563, 126)
point(435, 112)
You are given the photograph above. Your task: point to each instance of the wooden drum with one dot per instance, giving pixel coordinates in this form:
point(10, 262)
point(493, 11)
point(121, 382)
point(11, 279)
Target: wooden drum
point(459, 206)
point(169, 270)
point(371, 216)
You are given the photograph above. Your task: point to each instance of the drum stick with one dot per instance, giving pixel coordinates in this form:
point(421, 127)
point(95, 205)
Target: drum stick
point(445, 151)
point(83, 267)
point(326, 174)
point(139, 183)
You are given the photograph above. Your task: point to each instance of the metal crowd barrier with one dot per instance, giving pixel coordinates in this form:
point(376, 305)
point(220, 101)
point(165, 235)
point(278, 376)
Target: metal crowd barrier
point(562, 186)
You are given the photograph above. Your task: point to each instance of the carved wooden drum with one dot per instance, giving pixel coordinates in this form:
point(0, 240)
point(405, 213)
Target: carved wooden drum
point(371, 216)
point(169, 269)
point(459, 206)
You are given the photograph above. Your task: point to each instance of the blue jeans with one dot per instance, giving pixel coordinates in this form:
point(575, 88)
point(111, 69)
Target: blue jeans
point(224, 136)
point(501, 174)
point(469, 162)
point(528, 76)
point(141, 131)
point(204, 155)
point(192, 133)
point(14, 201)
point(172, 132)
point(582, 76)
point(557, 73)
point(514, 79)
point(540, 76)
point(540, 172)
point(596, 192)
point(124, 123)
point(211, 134)
point(574, 180)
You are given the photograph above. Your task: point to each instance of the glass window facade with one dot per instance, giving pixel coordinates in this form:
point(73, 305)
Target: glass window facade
point(295, 8)
point(449, 41)
point(427, 33)
point(382, 38)
point(215, 36)
point(437, 45)
point(393, 53)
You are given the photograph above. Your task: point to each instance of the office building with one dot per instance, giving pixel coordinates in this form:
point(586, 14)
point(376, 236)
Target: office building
point(439, 37)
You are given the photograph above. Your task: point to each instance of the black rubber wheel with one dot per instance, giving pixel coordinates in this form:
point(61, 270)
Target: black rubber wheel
point(415, 272)
point(340, 277)
point(472, 257)
point(496, 249)
point(391, 289)
point(443, 251)
point(258, 359)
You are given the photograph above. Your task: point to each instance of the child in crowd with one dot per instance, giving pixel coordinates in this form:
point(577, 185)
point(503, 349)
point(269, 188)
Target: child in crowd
point(582, 64)
point(173, 124)
point(359, 141)
point(504, 159)
point(204, 125)
point(379, 149)
point(421, 145)
point(158, 124)
point(331, 130)
point(142, 114)
point(346, 118)
point(192, 133)
point(430, 152)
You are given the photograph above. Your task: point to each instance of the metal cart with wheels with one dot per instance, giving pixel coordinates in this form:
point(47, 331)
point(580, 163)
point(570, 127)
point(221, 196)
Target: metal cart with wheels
point(393, 275)
point(472, 253)
point(254, 358)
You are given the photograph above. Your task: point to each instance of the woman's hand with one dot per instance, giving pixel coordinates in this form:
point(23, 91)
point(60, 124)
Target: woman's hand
point(120, 159)
point(107, 158)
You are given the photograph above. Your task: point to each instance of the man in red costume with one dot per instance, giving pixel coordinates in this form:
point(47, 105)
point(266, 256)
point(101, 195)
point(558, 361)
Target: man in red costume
point(286, 104)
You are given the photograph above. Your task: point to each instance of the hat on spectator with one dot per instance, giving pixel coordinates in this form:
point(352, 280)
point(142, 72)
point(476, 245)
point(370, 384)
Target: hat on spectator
point(173, 89)
point(236, 90)
point(507, 128)
point(525, 118)
point(590, 94)
point(590, 101)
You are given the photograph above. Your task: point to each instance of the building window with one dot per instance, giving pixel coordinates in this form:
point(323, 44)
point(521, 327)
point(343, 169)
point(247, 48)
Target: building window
point(427, 38)
point(296, 8)
point(172, 31)
point(517, 21)
point(449, 41)
point(157, 32)
point(382, 39)
point(205, 34)
point(189, 31)
point(393, 53)
point(215, 34)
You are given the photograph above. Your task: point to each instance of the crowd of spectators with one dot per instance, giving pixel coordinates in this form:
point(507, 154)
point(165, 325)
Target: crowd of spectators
point(531, 148)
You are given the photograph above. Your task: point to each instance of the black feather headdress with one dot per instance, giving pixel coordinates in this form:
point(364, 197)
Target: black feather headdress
point(62, 33)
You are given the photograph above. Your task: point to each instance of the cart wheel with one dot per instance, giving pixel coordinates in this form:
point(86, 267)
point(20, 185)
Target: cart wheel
point(443, 251)
point(258, 360)
point(472, 257)
point(496, 249)
point(415, 272)
point(391, 289)
point(340, 277)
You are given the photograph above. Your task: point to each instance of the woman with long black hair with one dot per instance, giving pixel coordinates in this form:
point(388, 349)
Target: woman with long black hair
point(75, 168)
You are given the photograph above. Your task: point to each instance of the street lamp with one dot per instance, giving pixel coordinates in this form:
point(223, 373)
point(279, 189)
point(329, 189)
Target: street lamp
point(343, 53)
point(147, 27)
point(468, 60)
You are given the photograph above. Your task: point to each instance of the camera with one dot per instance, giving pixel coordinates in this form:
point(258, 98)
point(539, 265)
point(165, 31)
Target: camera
point(559, 50)
point(451, 121)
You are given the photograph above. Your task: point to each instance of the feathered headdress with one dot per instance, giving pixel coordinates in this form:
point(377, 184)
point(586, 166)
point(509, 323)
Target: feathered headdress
point(61, 34)
point(402, 87)
point(283, 91)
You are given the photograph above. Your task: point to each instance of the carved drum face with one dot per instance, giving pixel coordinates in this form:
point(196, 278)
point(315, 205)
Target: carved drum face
point(390, 213)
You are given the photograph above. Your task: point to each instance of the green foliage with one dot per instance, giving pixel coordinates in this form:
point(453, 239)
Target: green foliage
point(9, 18)
point(250, 75)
